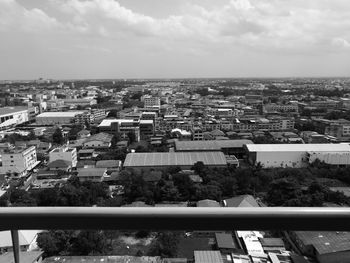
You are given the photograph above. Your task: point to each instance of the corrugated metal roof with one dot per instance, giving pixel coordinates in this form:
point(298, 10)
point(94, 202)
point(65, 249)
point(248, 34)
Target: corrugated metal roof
point(215, 145)
point(312, 147)
point(207, 257)
point(174, 159)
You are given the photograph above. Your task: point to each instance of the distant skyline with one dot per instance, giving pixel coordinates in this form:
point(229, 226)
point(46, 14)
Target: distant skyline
point(108, 39)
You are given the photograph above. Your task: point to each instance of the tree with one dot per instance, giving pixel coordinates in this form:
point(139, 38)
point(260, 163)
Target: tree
point(89, 242)
point(165, 245)
point(132, 137)
point(47, 197)
point(284, 192)
point(55, 242)
point(19, 197)
point(57, 136)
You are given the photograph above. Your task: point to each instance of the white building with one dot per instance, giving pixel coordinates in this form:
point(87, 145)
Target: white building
point(151, 101)
point(57, 118)
point(18, 161)
point(64, 153)
point(294, 155)
point(12, 116)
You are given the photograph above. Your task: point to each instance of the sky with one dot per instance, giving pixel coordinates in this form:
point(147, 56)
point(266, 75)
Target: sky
point(77, 39)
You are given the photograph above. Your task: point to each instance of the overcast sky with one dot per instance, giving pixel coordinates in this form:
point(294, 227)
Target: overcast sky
point(173, 38)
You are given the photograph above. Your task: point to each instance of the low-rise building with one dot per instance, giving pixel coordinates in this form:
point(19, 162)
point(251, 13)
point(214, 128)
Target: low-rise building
point(293, 155)
point(100, 140)
point(92, 174)
point(12, 116)
point(64, 153)
point(57, 118)
point(18, 161)
point(184, 160)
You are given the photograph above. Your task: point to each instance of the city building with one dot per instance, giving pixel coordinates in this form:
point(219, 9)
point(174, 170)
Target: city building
point(99, 140)
point(292, 155)
point(228, 147)
point(122, 127)
point(57, 118)
point(18, 161)
point(184, 160)
point(12, 116)
point(325, 246)
point(80, 102)
point(92, 174)
point(151, 102)
point(64, 153)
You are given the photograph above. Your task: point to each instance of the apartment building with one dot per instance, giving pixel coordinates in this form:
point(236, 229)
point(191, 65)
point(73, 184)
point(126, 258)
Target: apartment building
point(18, 161)
point(151, 101)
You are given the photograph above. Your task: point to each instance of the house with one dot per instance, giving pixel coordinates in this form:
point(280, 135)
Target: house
point(60, 165)
point(208, 203)
point(83, 134)
point(241, 201)
point(27, 240)
point(85, 154)
point(92, 174)
point(100, 140)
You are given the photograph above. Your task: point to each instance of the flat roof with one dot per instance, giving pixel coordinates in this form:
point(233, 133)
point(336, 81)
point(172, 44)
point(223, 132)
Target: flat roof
point(174, 159)
point(215, 145)
point(312, 147)
point(59, 114)
point(108, 122)
point(9, 110)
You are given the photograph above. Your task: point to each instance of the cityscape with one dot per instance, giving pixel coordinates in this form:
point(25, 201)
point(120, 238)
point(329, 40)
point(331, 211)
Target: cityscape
point(184, 105)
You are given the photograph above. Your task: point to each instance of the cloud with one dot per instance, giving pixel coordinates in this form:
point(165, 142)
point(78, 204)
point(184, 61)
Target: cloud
point(14, 17)
point(268, 25)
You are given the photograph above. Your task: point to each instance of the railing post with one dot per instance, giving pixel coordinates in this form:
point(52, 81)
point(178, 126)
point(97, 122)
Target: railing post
point(15, 245)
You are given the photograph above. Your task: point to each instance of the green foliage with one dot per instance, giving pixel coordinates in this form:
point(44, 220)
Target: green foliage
point(165, 245)
point(57, 136)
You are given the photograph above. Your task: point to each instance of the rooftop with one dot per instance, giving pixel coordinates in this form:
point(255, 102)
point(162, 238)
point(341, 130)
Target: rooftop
point(298, 147)
point(224, 240)
point(215, 145)
point(174, 159)
point(102, 136)
point(9, 110)
point(241, 201)
point(208, 257)
point(59, 114)
point(325, 242)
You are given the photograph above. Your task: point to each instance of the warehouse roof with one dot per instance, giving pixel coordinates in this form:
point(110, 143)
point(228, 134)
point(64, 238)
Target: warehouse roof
point(312, 147)
point(174, 159)
point(59, 114)
point(216, 145)
point(9, 110)
point(325, 242)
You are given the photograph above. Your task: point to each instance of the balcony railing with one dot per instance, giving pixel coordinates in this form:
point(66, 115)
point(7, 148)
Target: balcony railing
point(161, 218)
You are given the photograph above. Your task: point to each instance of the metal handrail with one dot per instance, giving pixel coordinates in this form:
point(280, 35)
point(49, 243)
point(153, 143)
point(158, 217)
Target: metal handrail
point(179, 218)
